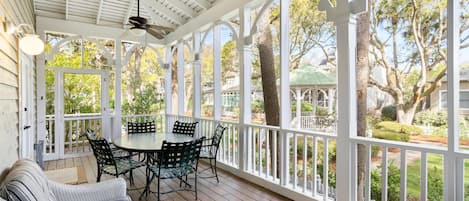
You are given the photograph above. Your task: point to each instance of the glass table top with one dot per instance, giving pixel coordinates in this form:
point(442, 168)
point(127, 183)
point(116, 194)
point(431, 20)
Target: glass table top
point(148, 141)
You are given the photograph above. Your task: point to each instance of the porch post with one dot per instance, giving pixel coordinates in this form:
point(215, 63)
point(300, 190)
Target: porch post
point(453, 167)
point(330, 100)
point(196, 100)
point(285, 111)
point(245, 71)
point(299, 98)
point(117, 123)
point(168, 96)
point(217, 72)
point(180, 73)
point(41, 93)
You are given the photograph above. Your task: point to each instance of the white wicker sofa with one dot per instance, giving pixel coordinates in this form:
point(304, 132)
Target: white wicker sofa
point(26, 181)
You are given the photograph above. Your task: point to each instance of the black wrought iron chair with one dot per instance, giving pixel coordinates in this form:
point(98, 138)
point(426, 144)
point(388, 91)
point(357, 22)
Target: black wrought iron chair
point(210, 150)
point(177, 160)
point(108, 164)
point(116, 152)
point(141, 127)
point(184, 128)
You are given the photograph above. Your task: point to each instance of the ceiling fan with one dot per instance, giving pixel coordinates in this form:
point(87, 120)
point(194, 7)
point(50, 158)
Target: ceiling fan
point(139, 26)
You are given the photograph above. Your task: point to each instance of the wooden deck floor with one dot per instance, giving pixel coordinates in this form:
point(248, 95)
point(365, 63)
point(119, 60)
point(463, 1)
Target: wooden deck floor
point(229, 188)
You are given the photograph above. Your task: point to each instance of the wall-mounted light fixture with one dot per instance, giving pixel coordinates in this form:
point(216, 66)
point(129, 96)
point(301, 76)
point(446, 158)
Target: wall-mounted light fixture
point(29, 43)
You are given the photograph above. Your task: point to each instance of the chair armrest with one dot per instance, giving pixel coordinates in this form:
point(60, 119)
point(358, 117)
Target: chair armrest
point(114, 189)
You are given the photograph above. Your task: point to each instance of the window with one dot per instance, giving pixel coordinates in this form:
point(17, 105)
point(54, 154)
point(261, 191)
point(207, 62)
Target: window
point(463, 99)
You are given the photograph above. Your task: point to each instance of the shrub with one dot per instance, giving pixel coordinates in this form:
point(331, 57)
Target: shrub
point(388, 113)
point(393, 184)
point(435, 185)
point(305, 107)
point(321, 111)
point(389, 130)
point(431, 118)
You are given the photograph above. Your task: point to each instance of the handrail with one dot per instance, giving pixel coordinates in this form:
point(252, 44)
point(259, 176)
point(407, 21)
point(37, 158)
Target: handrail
point(402, 145)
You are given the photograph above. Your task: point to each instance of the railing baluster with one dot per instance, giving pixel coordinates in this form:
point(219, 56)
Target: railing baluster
point(367, 172)
point(305, 161)
point(259, 153)
point(384, 174)
point(315, 169)
point(295, 160)
point(77, 138)
point(70, 129)
point(325, 172)
point(274, 152)
point(423, 176)
point(403, 177)
point(267, 152)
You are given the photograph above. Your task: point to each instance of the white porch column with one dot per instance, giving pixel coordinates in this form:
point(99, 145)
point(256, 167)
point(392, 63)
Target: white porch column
point(343, 16)
point(299, 98)
point(217, 73)
point(196, 100)
point(330, 100)
point(117, 123)
point(453, 167)
point(41, 94)
point(245, 71)
point(180, 73)
point(285, 106)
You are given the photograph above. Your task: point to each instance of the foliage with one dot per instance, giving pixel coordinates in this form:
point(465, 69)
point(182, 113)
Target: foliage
point(321, 111)
point(305, 107)
point(431, 118)
point(393, 183)
point(331, 176)
point(257, 107)
point(435, 185)
point(389, 130)
point(389, 113)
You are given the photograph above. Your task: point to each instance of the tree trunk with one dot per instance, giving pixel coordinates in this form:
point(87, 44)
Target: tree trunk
point(269, 86)
point(174, 84)
point(363, 71)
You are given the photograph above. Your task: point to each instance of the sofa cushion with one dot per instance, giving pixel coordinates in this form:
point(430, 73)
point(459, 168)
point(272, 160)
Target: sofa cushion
point(26, 181)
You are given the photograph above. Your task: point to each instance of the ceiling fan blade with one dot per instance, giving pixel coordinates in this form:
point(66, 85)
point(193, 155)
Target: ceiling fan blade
point(168, 29)
point(156, 34)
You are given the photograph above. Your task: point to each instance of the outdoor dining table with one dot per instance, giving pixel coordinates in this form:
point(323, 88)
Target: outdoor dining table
point(147, 143)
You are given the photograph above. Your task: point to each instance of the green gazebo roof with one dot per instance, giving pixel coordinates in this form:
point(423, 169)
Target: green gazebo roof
point(309, 75)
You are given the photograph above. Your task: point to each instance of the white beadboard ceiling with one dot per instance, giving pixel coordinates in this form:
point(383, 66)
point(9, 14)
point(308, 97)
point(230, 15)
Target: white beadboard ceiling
point(115, 13)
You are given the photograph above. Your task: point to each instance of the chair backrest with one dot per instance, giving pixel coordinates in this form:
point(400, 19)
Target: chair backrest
point(182, 154)
point(101, 150)
point(141, 127)
point(185, 128)
point(216, 139)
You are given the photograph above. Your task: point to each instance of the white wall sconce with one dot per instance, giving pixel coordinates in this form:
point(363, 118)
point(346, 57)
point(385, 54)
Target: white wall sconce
point(29, 43)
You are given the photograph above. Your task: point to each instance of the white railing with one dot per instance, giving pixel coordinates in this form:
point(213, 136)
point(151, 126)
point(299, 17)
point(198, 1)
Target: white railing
point(74, 126)
point(306, 160)
point(323, 123)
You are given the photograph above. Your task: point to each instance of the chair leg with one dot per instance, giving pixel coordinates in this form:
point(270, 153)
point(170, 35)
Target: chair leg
point(131, 178)
point(211, 166)
point(98, 179)
point(195, 185)
point(158, 189)
point(216, 173)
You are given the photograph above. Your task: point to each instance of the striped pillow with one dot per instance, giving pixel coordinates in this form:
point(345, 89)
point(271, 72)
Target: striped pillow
point(26, 181)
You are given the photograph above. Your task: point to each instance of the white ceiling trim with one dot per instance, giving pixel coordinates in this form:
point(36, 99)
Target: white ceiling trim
point(203, 4)
point(215, 13)
point(88, 30)
point(129, 10)
point(183, 7)
point(100, 9)
point(66, 9)
point(153, 5)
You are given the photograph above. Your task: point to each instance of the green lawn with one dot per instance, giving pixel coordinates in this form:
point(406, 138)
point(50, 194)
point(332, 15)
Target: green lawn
point(433, 161)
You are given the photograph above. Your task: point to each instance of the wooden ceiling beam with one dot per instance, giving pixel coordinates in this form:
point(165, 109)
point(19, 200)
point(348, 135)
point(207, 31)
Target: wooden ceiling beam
point(183, 7)
point(163, 10)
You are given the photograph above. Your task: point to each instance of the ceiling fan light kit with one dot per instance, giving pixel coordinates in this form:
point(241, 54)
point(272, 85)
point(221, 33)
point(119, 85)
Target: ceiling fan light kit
point(137, 31)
